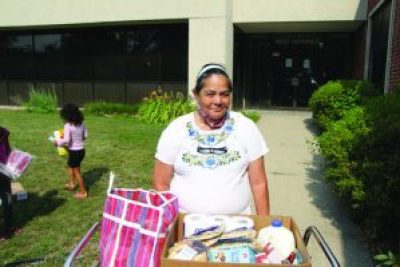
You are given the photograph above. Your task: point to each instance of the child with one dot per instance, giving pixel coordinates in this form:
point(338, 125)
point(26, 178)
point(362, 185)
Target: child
point(5, 182)
point(74, 135)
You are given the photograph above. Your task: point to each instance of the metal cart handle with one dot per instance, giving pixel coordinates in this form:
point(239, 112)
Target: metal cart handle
point(77, 250)
point(322, 243)
point(310, 230)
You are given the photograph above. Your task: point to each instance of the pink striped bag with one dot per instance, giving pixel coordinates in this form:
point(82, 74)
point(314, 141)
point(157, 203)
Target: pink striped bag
point(134, 226)
point(17, 163)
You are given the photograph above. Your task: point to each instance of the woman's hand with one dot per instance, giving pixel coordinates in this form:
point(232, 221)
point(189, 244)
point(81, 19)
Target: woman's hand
point(259, 186)
point(162, 175)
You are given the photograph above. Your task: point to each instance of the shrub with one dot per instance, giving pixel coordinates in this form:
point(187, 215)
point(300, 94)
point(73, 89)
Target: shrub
point(361, 147)
point(253, 115)
point(107, 108)
point(162, 107)
point(41, 101)
point(334, 98)
point(337, 145)
point(364, 88)
point(388, 259)
point(379, 168)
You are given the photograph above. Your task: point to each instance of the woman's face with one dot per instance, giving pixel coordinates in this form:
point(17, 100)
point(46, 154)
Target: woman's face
point(214, 98)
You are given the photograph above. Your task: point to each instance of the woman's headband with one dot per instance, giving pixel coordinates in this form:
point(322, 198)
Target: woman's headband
point(209, 67)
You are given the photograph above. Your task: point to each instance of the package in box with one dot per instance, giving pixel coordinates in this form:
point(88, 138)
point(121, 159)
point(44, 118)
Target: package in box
point(176, 234)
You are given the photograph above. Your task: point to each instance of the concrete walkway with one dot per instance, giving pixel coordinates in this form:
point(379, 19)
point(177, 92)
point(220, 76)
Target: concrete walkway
point(297, 188)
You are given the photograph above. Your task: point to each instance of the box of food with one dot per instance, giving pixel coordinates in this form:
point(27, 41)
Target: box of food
point(177, 232)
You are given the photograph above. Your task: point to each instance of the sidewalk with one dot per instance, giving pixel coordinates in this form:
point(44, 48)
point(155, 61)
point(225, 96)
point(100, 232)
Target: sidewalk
point(297, 188)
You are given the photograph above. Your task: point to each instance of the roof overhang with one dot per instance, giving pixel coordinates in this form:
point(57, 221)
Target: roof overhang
point(275, 27)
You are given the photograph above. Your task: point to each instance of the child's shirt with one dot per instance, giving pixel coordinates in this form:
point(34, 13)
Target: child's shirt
point(74, 136)
point(3, 148)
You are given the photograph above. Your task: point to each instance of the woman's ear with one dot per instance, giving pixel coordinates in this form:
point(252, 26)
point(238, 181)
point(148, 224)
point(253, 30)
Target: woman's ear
point(195, 95)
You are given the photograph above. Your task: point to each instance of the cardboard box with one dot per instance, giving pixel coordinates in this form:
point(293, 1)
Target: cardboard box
point(18, 191)
point(176, 234)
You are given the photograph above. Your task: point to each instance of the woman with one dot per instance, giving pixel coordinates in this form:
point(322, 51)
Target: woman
point(212, 159)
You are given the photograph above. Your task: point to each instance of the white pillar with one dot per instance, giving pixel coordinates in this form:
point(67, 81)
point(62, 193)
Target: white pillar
point(210, 40)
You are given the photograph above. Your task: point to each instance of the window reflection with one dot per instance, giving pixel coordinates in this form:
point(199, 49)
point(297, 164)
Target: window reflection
point(124, 54)
point(142, 41)
point(19, 43)
point(47, 43)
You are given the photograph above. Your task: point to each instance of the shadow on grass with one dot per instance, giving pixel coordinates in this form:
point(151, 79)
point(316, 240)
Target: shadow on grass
point(93, 175)
point(36, 206)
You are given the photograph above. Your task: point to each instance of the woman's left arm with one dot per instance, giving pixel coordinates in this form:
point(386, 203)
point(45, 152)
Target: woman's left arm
point(259, 185)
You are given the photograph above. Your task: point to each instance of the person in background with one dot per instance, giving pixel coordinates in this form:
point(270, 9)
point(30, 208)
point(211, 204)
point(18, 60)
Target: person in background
point(75, 134)
point(5, 183)
point(213, 158)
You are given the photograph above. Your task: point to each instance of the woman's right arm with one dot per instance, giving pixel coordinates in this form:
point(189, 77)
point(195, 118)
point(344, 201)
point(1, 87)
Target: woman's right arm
point(162, 175)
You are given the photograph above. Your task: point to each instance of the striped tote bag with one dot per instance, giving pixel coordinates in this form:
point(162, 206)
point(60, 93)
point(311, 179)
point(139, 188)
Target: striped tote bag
point(134, 226)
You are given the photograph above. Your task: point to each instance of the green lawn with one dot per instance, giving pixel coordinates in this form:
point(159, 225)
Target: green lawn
point(52, 221)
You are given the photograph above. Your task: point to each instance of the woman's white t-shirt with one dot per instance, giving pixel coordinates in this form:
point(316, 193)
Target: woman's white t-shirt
point(210, 167)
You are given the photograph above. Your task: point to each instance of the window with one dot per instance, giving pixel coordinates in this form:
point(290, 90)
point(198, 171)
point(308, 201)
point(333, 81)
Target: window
point(108, 56)
point(48, 56)
point(143, 54)
point(77, 47)
point(174, 43)
point(379, 44)
point(19, 58)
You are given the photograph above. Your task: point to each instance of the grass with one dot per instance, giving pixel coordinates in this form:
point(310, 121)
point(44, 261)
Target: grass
point(52, 221)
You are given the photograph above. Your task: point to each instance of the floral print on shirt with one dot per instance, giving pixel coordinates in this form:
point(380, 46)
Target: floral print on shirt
point(213, 140)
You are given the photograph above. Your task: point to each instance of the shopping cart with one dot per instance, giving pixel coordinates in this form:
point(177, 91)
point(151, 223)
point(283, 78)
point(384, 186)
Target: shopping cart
point(310, 231)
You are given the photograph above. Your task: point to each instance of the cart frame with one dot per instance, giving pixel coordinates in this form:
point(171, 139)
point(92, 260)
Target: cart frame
point(310, 231)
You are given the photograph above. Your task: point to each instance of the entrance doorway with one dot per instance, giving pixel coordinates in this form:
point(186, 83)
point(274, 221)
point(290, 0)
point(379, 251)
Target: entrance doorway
point(283, 70)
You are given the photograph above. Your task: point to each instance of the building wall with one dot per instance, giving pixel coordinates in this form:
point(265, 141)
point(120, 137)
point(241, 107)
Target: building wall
point(45, 13)
point(394, 71)
point(21, 13)
point(394, 80)
point(299, 10)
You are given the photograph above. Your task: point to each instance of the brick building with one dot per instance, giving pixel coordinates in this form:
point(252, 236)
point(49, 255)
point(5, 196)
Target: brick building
point(382, 65)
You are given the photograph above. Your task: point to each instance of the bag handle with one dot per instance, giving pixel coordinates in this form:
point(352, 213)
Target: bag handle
point(110, 182)
point(148, 192)
point(152, 191)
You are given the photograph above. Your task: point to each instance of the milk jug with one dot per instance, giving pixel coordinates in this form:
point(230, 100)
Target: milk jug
point(277, 237)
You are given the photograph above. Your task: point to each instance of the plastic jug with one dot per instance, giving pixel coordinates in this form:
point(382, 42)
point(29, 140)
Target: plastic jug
point(278, 237)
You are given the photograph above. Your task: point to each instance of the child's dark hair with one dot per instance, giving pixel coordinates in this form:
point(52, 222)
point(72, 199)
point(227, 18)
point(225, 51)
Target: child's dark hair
point(208, 70)
point(3, 132)
point(71, 113)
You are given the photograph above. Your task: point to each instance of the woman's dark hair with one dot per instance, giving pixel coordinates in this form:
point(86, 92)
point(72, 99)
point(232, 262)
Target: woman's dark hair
point(72, 114)
point(208, 70)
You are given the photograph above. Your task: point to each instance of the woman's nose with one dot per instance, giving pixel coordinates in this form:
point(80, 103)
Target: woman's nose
point(217, 99)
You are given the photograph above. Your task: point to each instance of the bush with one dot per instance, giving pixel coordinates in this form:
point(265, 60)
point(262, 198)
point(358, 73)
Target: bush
point(162, 107)
point(107, 108)
point(379, 168)
point(337, 145)
point(41, 101)
point(334, 98)
point(362, 151)
point(389, 259)
point(252, 115)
